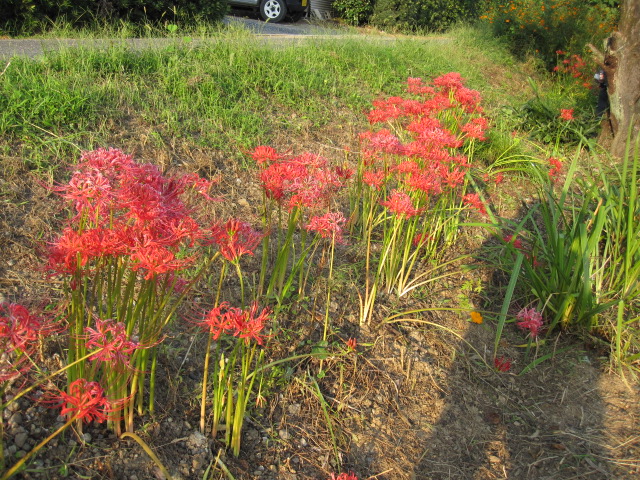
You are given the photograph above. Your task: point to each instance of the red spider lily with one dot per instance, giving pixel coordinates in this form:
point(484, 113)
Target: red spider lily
point(529, 319)
point(276, 176)
point(428, 182)
point(157, 260)
point(417, 87)
point(407, 167)
point(235, 238)
point(264, 155)
point(382, 141)
point(13, 368)
point(69, 252)
point(302, 181)
point(200, 185)
point(344, 172)
point(110, 338)
point(556, 167)
point(216, 321)
point(385, 110)
point(111, 161)
point(420, 239)
point(473, 200)
point(454, 178)
point(475, 128)
point(85, 401)
point(344, 476)
point(517, 243)
point(502, 364)
point(433, 137)
point(374, 179)
point(566, 114)
point(248, 324)
point(449, 82)
point(400, 203)
point(90, 191)
point(19, 330)
point(328, 225)
point(469, 99)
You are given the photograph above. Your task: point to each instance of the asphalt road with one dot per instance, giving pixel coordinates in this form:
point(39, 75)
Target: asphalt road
point(287, 29)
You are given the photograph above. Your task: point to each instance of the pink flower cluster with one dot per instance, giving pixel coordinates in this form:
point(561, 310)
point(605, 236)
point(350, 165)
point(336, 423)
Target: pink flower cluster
point(246, 324)
point(529, 319)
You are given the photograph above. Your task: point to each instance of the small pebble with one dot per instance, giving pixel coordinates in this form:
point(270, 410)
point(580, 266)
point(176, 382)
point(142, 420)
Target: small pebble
point(20, 439)
point(15, 420)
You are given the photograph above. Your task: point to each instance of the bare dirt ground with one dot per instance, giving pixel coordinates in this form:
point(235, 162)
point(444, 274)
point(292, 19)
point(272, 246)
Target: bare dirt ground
point(416, 401)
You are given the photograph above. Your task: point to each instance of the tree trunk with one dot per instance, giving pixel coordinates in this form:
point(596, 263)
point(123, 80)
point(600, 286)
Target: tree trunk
point(622, 67)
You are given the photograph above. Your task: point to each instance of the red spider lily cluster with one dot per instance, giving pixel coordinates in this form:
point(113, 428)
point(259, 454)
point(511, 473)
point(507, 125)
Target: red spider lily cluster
point(303, 181)
point(110, 339)
point(246, 324)
point(85, 401)
point(502, 364)
point(555, 167)
point(529, 319)
point(574, 66)
point(344, 476)
point(399, 203)
point(417, 169)
point(20, 334)
point(328, 225)
point(566, 114)
point(126, 209)
point(234, 239)
point(426, 158)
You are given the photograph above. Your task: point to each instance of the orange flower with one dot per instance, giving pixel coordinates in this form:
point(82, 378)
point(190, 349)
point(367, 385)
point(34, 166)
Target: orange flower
point(476, 317)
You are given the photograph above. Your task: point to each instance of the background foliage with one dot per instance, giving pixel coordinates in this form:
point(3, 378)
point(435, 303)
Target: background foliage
point(32, 16)
point(542, 27)
point(354, 12)
point(429, 15)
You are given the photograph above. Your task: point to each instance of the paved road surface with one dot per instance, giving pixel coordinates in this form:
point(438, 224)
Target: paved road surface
point(285, 30)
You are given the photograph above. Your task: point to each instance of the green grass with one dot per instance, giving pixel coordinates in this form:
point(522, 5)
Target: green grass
point(225, 92)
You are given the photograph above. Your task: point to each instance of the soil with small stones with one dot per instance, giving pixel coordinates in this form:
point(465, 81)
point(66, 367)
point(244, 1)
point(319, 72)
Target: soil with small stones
point(417, 399)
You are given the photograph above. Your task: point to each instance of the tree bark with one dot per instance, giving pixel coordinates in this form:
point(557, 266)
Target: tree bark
point(622, 67)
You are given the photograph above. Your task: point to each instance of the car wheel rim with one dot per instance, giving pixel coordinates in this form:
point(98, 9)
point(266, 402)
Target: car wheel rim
point(272, 9)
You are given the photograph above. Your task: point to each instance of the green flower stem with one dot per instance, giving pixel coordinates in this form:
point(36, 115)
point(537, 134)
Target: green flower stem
point(329, 281)
point(267, 221)
point(284, 254)
point(218, 391)
point(205, 378)
point(152, 379)
point(236, 263)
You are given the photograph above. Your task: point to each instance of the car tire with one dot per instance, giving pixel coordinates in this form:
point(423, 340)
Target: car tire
point(273, 10)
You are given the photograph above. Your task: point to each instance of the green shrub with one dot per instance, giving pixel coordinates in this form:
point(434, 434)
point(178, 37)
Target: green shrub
point(429, 15)
point(34, 16)
point(354, 12)
point(542, 27)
